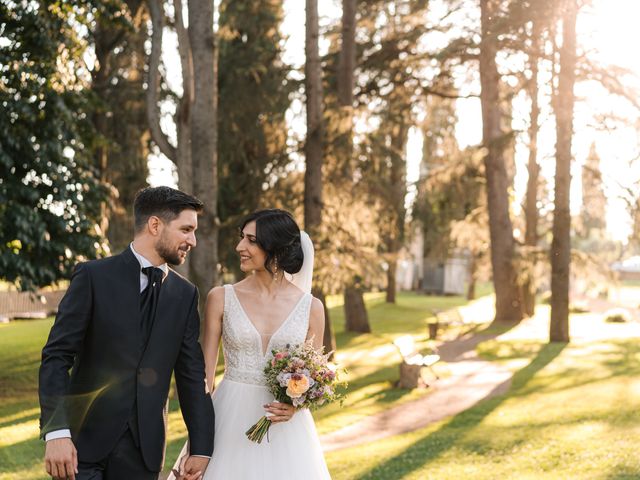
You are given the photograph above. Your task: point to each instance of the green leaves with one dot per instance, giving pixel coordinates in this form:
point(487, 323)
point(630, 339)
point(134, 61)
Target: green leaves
point(49, 194)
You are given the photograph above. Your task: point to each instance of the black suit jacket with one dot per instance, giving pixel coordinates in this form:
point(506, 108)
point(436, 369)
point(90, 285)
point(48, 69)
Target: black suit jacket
point(97, 336)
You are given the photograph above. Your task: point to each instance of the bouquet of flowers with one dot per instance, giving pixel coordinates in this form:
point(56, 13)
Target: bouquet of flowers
point(300, 376)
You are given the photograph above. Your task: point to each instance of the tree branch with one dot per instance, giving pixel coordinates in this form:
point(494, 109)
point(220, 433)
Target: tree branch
point(184, 50)
point(153, 87)
point(437, 93)
point(610, 77)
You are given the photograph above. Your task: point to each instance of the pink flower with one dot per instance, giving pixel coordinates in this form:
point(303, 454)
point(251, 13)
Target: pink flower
point(281, 355)
point(297, 363)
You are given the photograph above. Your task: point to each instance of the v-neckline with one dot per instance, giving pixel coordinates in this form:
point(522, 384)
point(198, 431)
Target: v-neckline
point(255, 329)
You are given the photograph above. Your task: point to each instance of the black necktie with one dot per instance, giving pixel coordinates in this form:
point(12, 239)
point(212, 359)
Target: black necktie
point(149, 300)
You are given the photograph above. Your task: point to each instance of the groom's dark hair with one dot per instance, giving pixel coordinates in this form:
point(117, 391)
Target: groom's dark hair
point(163, 202)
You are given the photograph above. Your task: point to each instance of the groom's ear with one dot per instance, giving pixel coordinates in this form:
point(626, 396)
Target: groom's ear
point(154, 225)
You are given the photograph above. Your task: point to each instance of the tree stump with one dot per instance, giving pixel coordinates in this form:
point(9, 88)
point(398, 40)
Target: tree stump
point(410, 376)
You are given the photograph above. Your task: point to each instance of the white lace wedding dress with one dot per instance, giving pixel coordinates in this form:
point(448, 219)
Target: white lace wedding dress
point(292, 450)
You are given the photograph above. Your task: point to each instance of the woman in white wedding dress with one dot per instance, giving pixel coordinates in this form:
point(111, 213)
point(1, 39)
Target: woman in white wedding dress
point(270, 308)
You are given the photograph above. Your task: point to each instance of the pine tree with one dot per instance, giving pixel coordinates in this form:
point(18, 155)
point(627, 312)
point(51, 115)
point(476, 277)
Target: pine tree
point(254, 91)
point(592, 221)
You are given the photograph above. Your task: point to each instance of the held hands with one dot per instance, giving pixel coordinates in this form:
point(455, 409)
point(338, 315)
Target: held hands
point(279, 412)
point(191, 468)
point(61, 459)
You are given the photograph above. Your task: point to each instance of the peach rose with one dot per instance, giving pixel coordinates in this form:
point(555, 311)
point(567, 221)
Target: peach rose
point(297, 385)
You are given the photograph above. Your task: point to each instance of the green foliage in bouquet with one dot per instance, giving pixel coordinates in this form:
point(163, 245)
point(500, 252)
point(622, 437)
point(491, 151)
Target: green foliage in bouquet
point(299, 376)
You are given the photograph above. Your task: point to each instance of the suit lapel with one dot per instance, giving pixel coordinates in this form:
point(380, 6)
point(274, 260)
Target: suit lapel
point(130, 288)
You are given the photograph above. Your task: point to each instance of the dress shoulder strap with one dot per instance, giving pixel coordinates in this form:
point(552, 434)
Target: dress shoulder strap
point(228, 298)
point(307, 303)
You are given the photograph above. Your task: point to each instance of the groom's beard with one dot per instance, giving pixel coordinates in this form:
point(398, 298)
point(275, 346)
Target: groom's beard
point(171, 255)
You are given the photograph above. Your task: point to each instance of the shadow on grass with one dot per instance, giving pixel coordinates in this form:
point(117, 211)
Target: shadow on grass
point(19, 419)
point(622, 473)
point(16, 456)
point(388, 374)
point(436, 443)
point(466, 342)
point(623, 359)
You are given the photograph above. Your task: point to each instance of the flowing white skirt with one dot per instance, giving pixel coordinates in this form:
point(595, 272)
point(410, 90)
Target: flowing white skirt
point(291, 452)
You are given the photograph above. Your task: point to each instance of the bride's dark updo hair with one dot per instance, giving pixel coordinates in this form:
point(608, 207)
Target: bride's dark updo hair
point(278, 234)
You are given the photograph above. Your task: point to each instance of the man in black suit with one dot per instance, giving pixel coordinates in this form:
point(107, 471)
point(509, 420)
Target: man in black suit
point(125, 324)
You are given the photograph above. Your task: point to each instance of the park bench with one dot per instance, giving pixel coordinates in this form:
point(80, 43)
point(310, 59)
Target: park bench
point(413, 362)
point(443, 319)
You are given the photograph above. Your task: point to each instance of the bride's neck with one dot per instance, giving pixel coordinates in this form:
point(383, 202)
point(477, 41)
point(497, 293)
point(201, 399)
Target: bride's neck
point(266, 284)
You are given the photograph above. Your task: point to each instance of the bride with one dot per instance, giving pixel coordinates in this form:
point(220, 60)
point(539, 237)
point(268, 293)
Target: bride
point(270, 308)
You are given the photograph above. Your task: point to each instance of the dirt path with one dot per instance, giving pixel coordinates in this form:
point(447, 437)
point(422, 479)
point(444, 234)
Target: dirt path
point(470, 381)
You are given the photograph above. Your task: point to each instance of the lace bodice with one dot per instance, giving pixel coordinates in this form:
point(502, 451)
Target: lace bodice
point(242, 343)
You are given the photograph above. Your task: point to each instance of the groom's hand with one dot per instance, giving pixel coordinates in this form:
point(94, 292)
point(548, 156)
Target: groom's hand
point(61, 458)
point(194, 467)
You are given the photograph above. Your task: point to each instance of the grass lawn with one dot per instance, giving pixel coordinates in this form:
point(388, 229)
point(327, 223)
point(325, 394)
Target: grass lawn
point(371, 360)
point(573, 412)
point(20, 450)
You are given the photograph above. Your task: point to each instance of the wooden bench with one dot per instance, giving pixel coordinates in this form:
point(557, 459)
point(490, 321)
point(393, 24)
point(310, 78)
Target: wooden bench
point(443, 318)
point(29, 305)
point(413, 362)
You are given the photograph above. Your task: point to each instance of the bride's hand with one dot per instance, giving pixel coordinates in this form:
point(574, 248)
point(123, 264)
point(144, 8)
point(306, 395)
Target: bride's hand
point(279, 412)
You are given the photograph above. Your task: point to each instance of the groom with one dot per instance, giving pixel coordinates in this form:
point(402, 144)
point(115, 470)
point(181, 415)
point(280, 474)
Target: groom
point(125, 324)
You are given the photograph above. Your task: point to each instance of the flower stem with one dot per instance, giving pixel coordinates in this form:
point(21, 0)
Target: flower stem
point(257, 432)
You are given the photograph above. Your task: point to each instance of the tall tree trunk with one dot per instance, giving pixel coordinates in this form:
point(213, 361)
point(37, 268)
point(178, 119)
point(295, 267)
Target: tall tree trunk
point(182, 160)
point(398, 185)
point(204, 139)
point(390, 293)
point(99, 83)
point(355, 311)
point(329, 339)
point(314, 147)
point(561, 243)
point(356, 317)
point(531, 199)
point(473, 274)
point(347, 61)
point(183, 154)
point(315, 132)
point(508, 298)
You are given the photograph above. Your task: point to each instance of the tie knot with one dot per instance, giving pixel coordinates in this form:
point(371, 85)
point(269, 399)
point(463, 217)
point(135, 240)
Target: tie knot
point(154, 274)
